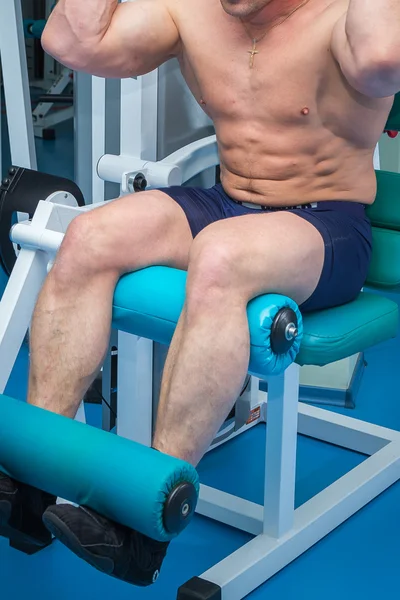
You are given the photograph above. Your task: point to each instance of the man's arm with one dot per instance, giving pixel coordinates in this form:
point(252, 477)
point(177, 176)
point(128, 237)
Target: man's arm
point(108, 39)
point(366, 44)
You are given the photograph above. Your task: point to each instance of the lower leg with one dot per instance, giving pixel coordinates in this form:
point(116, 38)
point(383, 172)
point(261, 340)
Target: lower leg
point(203, 376)
point(69, 339)
point(205, 372)
point(71, 325)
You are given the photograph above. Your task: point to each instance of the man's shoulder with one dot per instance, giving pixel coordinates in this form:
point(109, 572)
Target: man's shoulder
point(181, 8)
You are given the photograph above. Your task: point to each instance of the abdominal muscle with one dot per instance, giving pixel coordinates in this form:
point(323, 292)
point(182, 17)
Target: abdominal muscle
point(288, 170)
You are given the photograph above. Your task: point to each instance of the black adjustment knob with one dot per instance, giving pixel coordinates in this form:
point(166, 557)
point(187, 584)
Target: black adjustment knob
point(5, 183)
point(12, 171)
point(140, 183)
point(179, 507)
point(284, 331)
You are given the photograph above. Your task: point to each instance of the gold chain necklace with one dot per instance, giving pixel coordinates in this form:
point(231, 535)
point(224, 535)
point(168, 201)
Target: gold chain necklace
point(256, 41)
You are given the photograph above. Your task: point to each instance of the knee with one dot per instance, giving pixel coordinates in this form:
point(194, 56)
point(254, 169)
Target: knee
point(212, 273)
point(83, 251)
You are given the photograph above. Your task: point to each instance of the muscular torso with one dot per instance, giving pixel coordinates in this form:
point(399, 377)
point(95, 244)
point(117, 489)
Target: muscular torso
point(273, 151)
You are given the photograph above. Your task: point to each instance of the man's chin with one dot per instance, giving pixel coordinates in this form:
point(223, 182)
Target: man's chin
point(241, 9)
point(237, 8)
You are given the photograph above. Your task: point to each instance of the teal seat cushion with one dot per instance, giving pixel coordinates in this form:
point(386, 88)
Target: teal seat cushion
point(336, 333)
point(148, 303)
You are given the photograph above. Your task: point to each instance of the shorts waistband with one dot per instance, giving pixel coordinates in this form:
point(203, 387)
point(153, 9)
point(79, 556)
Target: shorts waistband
point(262, 207)
point(351, 207)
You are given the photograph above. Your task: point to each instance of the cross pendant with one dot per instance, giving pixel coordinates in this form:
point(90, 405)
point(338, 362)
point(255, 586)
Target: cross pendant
point(252, 53)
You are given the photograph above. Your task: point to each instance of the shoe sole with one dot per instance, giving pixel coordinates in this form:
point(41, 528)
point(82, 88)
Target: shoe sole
point(18, 539)
point(63, 533)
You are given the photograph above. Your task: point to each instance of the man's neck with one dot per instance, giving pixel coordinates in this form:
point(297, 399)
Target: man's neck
point(272, 13)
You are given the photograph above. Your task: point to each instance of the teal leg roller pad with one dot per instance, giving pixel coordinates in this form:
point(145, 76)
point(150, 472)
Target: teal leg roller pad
point(131, 484)
point(148, 303)
point(262, 313)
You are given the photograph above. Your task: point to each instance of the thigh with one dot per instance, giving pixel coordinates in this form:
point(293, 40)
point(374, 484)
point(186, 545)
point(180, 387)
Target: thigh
point(154, 227)
point(135, 231)
point(266, 253)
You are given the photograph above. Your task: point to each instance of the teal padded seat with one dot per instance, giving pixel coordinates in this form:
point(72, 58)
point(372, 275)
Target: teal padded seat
point(148, 303)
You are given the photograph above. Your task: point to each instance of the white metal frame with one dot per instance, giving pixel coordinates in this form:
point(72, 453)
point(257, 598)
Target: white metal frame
point(282, 533)
point(16, 85)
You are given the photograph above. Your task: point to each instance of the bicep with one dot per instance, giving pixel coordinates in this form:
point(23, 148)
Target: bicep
point(342, 52)
point(142, 35)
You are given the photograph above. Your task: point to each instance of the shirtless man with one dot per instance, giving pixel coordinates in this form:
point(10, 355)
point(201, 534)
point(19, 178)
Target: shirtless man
point(299, 92)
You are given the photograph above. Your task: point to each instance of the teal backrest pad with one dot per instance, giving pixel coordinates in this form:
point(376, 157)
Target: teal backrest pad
point(385, 212)
point(393, 122)
point(384, 271)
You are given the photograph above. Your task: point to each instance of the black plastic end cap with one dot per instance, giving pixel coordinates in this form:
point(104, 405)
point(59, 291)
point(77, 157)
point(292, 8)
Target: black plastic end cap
point(280, 343)
point(179, 507)
point(199, 589)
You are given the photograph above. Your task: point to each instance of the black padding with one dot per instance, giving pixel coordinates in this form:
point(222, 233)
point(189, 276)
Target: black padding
point(21, 191)
point(199, 589)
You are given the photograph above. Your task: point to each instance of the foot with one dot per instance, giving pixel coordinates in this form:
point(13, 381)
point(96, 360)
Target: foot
point(21, 511)
point(109, 547)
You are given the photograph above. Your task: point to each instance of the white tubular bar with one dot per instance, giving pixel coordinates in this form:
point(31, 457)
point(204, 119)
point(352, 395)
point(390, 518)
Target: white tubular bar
point(230, 510)
point(135, 388)
point(258, 560)
point(344, 431)
point(17, 306)
point(195, 158)
point(28, 236)
point(280, 461)
point(16, 85)
point(176, 169)
point(119, 169)
point(98, 134)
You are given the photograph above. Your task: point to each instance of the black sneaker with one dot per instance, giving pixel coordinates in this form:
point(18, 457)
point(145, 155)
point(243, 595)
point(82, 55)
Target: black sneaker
point(21, 511)
point(107, 546)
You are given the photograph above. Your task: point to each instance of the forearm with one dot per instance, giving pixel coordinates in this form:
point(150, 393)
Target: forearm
point(77, 24)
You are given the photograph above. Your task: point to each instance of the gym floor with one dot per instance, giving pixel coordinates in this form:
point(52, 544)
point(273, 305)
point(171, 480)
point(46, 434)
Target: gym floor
point(358, 560)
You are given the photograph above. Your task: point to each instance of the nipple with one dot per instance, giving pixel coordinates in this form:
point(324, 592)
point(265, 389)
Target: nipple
point(203, 102)
point(305, 111)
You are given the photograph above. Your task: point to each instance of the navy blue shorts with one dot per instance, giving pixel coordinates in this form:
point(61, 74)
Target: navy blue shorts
point(344, 227)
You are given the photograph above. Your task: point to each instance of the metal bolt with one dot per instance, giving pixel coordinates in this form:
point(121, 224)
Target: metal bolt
point(137, 183)
point(5, 183)
point(12, 171)
point(291, 332)
point(185, 509)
